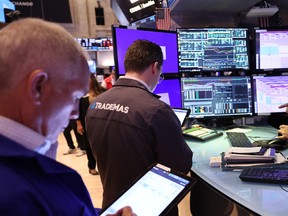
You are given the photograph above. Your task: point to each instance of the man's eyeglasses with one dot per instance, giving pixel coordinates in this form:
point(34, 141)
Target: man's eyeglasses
point(161, 78)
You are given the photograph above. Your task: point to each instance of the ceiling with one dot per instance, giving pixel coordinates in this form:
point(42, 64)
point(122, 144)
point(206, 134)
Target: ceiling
point(218, 12)
point(221, 13)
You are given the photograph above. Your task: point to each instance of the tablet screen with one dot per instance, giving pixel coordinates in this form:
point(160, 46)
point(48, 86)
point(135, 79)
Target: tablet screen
point(156, 192)
point(182, 114)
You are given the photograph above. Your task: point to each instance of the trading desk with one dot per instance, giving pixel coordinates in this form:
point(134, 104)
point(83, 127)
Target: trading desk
point(220, 192)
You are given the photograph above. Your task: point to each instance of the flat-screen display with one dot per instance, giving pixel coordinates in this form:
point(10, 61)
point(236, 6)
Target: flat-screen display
point(213, 49)
point(169, 90)
point(217, 96)
point(124, 36)
point(155, 193)
point(269, 93)
point(96, 44)
point(5, 4)
point(50, 10)
point(134, 10)
point(271, 49)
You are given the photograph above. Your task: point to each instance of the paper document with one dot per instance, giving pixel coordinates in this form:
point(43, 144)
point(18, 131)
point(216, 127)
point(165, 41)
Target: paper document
point(279, 159)
point(244, 150)
point(239, 130)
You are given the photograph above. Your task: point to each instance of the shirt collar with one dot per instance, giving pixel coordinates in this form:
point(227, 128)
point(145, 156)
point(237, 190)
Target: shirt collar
point(24, 135)
point(134, 78)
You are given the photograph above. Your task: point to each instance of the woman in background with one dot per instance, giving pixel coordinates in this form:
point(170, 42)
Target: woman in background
point(94, 90)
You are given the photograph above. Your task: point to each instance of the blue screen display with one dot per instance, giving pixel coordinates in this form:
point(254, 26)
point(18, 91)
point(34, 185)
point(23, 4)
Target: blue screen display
point(5, 4)
point(123, 37)
point(169, 90)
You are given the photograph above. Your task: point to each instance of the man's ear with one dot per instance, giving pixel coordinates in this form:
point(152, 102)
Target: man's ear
point(35, 86)
point(155, 67)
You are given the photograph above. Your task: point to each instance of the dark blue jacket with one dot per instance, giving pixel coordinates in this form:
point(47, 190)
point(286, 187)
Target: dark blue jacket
point(33, 184)
point(129, 128)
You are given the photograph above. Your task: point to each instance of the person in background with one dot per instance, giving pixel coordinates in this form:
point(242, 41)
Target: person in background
point(44, 72)
point(129, 128)
point(94, 90)
point(109, 81)
point(67, 134)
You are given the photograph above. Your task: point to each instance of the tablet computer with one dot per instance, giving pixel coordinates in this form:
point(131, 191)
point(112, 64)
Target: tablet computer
point(155, 192)
point(182, 114)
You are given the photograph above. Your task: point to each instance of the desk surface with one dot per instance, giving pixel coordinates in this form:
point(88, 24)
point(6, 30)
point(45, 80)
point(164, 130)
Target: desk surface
point(263, 199)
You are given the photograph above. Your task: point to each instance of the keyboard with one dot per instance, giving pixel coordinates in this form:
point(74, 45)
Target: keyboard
point(201, 133)
point(274, 175)
point(238, 139)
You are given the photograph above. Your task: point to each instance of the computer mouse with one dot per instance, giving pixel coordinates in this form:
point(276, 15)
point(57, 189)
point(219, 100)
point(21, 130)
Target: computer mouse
point(276, 140)
point(277, 143)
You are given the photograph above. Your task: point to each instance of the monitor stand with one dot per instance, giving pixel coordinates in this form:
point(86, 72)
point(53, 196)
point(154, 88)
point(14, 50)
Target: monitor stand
point(214, 123)
point(221, 123)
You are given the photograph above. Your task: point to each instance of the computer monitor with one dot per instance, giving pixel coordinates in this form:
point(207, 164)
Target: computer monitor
point(269, 93)
point(5, 4)
point(96, 44)
point(214, 97)
point(271, 51)
point(170, 92)
point(124, 36)
point(134, 10)
point(213, 49)
point(49, 10)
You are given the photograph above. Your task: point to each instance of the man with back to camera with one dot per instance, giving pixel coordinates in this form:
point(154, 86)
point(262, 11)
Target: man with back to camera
point(129, 128)
point(44, 73)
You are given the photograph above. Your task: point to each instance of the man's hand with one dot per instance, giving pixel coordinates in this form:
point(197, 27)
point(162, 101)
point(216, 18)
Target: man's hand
point(283, 130)
point(283, 106)
point(125, 211)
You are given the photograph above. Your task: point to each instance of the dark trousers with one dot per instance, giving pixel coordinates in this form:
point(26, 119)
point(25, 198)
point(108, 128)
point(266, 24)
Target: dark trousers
point(90, 157)
point(67, 134)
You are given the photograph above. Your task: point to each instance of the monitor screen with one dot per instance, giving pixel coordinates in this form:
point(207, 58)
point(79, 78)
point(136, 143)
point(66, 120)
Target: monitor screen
point(5, 4)
point(50, 10)
point(217, 96)
point(169, 90)
point(271, 49)
point(269, 93)
point(133, 10)
point(96, 44)
point(124, 36)
point(212, 49)
point(105, 59)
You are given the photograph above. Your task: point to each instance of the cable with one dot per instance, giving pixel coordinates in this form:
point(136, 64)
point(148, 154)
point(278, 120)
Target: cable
point(281, 186)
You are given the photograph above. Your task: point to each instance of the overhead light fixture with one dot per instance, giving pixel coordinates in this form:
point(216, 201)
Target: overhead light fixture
point(262, 11)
